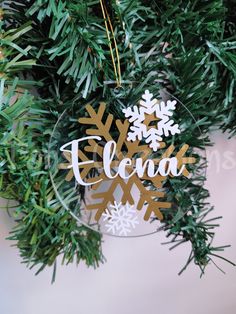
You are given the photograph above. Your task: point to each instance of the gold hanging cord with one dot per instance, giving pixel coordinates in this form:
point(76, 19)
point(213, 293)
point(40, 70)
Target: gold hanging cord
point(116, 67)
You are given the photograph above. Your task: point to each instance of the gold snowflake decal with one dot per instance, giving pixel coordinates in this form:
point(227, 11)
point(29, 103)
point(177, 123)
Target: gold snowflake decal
point(151, 193)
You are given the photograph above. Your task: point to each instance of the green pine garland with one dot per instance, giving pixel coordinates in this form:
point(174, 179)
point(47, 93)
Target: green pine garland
point(59, 49)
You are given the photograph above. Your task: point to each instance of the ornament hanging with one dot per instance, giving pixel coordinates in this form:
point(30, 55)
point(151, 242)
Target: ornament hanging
point(128, 173)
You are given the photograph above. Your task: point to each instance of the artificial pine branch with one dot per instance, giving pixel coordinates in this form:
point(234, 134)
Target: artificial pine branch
point(184, 47)
point(43, 229)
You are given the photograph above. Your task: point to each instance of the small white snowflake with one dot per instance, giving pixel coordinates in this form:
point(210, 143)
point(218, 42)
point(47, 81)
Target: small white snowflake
point(163, 111)
point(120, 219)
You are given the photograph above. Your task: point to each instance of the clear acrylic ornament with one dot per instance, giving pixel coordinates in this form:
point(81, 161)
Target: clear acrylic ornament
point(120, 207)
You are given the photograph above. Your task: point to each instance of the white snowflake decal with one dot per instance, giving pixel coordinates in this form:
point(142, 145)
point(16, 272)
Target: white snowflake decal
point(120, 219)
point(163, 111)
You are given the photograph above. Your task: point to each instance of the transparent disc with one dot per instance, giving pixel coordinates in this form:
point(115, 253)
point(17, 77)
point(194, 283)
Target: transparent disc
point(123, 207)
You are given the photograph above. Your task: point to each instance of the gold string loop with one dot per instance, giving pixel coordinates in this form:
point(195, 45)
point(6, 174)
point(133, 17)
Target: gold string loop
point(117, 69)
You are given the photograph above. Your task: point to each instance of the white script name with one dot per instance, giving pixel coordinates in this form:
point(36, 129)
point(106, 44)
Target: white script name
point(166, 166)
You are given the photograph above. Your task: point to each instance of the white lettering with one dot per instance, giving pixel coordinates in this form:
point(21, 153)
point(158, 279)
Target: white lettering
point(166, 166)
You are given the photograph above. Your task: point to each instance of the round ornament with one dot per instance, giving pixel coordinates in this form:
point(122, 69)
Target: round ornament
point(117, 173)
